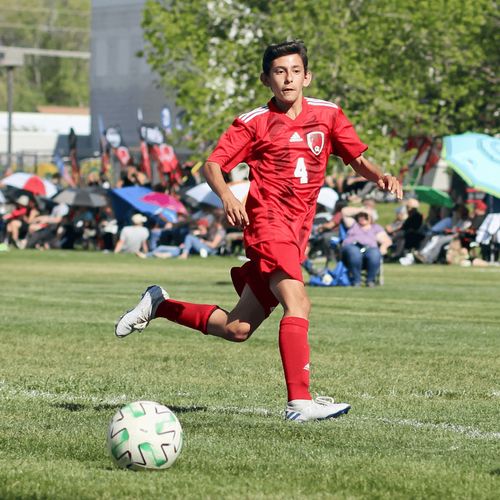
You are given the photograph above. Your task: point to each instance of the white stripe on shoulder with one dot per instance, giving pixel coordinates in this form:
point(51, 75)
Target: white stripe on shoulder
point(320, 102)
point(246, 117)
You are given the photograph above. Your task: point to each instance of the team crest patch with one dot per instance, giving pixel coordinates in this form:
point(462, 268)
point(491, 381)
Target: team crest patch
point(316, 141)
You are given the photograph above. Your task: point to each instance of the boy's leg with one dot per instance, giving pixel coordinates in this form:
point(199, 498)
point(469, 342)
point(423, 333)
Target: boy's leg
point(294, 350)
point(293, 333)
point(209, 319)
point(241, 322)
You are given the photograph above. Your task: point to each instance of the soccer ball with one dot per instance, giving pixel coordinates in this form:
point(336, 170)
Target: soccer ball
point(144, 435)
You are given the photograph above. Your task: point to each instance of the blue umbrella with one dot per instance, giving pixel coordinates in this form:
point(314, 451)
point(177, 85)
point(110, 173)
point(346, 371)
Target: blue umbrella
point(476, 158)
point(128, 200)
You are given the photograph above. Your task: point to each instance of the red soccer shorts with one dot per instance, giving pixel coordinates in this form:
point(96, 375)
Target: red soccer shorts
point(265, 258)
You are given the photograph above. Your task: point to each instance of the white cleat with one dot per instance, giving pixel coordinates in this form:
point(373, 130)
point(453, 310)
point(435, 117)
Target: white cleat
point(321, 408)
point(138, 318)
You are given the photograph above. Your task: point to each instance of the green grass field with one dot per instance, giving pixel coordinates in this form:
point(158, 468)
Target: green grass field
point(418, 359)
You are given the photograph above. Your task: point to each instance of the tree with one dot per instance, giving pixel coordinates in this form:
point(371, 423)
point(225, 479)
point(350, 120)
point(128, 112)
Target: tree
point(47, 24)
point(397, 68)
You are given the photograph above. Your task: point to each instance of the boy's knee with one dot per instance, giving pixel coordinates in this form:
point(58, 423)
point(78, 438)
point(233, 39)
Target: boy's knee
point(306, 307)
point(301, 308)
point(240, 332)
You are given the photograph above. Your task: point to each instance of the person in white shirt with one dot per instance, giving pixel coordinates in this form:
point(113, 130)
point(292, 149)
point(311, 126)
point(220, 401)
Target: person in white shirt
point(134, 238)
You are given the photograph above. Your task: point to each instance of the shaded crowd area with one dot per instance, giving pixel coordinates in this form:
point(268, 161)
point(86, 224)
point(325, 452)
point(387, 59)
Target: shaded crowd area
point(185, 218)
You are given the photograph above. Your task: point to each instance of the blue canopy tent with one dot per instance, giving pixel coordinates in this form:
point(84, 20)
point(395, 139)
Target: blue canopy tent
point(476, 158)
point(129, 200)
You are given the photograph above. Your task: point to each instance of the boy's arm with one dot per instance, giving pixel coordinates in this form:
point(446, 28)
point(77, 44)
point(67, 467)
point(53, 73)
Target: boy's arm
point(234, 209)
point(368, 170)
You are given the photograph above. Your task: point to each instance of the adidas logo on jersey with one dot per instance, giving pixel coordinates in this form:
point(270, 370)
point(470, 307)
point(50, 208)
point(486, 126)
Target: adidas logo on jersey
point(296, 137)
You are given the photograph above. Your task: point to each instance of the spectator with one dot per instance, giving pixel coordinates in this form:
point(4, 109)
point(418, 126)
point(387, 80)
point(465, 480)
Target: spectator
point(363, 246)
point(93, 179)
point(42, 232)
point(132, 177)
point(83, 228)
point(56, 179)
point(353, 184)
point(410, 235)
point(324, 232)
point(18, 220)
point(107, 229)
point(434, 215)
point(433, 245)
point(191, 174)
point(134, 238)
point(401, 214)
point(488, 238)
point(456, 254)
point(371, 205)
point(439, 225)
point(459, 250)
point(173, 234)
point(476, 219)
point(206, 239)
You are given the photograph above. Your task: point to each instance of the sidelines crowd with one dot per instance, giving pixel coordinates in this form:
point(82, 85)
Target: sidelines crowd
point(349, 232)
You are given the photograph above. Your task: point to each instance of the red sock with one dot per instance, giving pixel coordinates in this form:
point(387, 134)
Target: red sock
point(294, 350)
point(187, 314)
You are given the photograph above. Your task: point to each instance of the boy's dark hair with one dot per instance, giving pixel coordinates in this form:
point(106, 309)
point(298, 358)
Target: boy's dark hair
point(284, 49)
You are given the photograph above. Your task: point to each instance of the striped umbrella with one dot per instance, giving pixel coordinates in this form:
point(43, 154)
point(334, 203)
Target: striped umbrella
point(31, 183)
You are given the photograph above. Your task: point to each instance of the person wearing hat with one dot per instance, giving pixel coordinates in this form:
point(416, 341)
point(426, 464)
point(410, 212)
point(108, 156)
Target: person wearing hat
point(364, 245)
point(468, 234)
point(206, 239)
point(18, 220)
point(134, 238)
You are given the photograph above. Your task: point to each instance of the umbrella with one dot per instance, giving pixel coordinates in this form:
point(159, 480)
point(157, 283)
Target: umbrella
point(139, 199)
point(433, 196)
point(80, 198)
point(328, 197)
point(202, 193)
point(31, 183)
point(164, 200)
point(476, 158)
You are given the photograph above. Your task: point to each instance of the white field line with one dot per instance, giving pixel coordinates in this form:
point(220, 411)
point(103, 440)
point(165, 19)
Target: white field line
point(12, 393)
point(470, 432)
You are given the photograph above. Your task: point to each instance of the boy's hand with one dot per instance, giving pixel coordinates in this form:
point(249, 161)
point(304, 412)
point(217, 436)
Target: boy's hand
point(371, 172)
point(390, 183)
point(235, 211)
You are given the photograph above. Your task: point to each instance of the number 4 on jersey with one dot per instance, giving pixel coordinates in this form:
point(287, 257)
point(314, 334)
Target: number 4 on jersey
point(301, 171)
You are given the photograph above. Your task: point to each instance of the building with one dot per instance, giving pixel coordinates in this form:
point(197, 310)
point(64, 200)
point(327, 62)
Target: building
point(37, 137)
point(120, 81)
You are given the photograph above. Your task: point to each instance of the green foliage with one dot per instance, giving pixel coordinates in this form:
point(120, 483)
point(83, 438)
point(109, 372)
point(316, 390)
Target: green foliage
point(397, 68)
point(416, 358)
point(47, 24)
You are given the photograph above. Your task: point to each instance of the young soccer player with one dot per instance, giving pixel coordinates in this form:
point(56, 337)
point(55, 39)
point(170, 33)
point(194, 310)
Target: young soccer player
point(286, 143)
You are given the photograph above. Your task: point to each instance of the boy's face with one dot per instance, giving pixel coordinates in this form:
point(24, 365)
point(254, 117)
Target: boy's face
point(287, 78)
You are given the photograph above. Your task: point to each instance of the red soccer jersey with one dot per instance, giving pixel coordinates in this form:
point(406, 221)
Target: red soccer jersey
point(287, 160)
